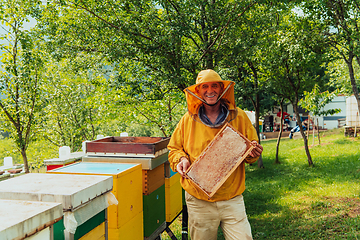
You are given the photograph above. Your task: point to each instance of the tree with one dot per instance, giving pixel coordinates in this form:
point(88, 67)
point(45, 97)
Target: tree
point(340, 22)
point(246, 56)
point(297, 55)
point(151, 103)
point(79, 101)
point(277, 161)
point(315, 101)
point(339, 76)
point(169, 41)
point(21, 76)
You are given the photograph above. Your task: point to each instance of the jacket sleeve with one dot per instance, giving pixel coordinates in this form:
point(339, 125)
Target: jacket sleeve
point(176, 146)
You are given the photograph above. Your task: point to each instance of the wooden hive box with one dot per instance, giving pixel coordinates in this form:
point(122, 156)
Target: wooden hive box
point(128, 146)
point(153, 179)
point(219, 160)
point(173, 197)
point(154, 213)
point(134, 229)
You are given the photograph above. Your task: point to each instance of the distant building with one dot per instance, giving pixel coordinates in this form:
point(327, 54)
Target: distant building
point(272, 120)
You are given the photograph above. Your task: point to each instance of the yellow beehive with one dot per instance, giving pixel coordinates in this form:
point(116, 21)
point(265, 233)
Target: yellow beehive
point(130, 204)
point(173, 197)
point(97, 233)
point(132, 230)
point(127, 187)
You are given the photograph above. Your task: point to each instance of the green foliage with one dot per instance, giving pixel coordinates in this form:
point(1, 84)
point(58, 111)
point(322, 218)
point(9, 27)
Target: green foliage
point(339, 21)
point(171, 40)
point(21, 76)
point(244, 59)
point(315, 101)
point(37, 152)
point(8, 149)
point(339, 76)
point(295, 60)
point(149, 101)
point(78, 100)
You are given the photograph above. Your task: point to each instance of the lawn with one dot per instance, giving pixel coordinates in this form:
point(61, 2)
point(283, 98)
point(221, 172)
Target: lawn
point(294, 201)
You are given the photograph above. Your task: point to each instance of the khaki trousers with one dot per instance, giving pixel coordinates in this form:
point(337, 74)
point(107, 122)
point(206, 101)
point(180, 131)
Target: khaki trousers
point(205, 218)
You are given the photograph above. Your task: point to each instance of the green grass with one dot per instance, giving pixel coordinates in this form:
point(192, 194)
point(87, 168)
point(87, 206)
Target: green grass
point(294, 201)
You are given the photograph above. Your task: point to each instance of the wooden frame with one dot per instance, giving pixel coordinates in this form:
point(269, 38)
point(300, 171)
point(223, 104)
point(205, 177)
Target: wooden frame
point(219, 160)
point(136, 145)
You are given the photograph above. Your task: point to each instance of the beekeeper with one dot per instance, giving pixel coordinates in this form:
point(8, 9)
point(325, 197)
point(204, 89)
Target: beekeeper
point(211, 104)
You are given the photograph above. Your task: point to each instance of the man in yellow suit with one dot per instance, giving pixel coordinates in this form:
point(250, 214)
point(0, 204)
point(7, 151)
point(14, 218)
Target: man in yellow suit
point(211, 104)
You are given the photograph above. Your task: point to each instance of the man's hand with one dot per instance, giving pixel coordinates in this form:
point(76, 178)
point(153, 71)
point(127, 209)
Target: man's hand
point(182, 166)
point(257, 150)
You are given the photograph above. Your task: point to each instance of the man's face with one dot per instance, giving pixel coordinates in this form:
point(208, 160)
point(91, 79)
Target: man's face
point(210, 92)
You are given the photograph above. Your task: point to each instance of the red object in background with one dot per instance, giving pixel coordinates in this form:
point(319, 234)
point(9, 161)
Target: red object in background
point(51, 167)
point(285, 114)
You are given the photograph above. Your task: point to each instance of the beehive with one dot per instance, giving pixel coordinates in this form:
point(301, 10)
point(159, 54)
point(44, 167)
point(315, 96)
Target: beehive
point(154, 212)
point(173, 197)
point(98, 233)
point(153, 179)
point(83, 197)
point(130, 230)
point(28, 219)
point(127, 187)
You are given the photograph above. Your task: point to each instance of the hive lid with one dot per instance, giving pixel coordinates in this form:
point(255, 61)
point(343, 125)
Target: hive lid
point(114, 169)
point(19, 219)
point(71, 190)
point(60, 161)
point(148, 162)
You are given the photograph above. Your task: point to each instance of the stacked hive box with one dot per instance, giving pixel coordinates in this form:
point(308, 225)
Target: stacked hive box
point(125, 219)
point(154, 201)
point(151, 152)
point(173, 194)
point(28, 219)
point(83, 199)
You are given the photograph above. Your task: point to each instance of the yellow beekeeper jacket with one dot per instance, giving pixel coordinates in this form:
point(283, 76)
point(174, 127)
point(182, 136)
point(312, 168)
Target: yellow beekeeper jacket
point(191, 137)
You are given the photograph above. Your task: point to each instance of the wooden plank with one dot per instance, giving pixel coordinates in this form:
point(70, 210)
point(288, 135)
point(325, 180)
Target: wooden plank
point(219, 160)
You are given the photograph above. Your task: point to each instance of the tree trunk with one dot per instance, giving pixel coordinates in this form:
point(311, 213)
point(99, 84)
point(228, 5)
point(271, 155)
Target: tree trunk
point(23, 154)
point(318, 131)
point(257, 127)
point(280, 132)
point(308, 127)
point(313, 128)
point(256, 105)
point(295, 106)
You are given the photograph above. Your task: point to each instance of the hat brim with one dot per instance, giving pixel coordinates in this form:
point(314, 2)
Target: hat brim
point(194, 103)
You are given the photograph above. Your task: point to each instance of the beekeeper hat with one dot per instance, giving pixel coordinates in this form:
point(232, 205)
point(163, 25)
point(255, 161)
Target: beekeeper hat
point(193, 98)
